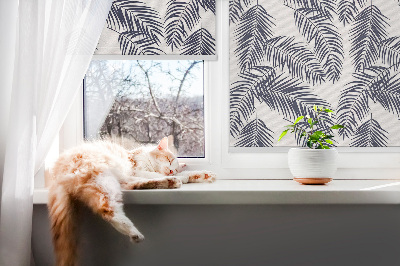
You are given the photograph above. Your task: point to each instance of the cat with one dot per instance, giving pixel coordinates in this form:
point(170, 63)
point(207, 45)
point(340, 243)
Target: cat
point(94, 173)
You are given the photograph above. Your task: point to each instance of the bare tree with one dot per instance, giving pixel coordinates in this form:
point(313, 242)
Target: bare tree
point(143, 111)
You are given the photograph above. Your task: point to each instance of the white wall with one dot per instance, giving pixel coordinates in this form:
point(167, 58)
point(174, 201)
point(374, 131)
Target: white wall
point(326, 235)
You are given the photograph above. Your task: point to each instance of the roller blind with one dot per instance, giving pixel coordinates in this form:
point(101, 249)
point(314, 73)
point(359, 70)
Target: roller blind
point(182, 29)
point(287, 56)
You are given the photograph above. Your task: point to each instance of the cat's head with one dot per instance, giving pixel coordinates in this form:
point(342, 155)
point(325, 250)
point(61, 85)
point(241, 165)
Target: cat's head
point(164, 161)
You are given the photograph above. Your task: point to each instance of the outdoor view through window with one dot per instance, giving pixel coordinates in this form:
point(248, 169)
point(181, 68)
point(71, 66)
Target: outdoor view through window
point(139, 102)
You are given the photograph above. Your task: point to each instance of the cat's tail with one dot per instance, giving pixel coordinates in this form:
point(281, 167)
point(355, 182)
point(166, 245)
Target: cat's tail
point(62, 212)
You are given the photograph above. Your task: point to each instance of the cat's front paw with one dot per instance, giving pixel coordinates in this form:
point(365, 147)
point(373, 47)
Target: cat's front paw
point(137, 237)
point(201, 177)
point(174, 182)
point(182, 167)
point(210, 177)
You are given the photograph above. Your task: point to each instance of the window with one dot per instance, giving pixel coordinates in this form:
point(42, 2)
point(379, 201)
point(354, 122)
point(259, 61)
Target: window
point(140, 101)
point(218, 156)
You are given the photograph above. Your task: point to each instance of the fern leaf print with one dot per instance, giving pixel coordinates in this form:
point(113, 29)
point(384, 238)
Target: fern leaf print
point(200, 42)
point(317, 28)
point(368, 31)
point(241, 102)
point(299, 61)
point(139, 27)
point(255, 134)
point(390, 51)
point(286, 56)
point(181, 17)
point(287, 96)
point(388, 95)
point(235, 10)
point(144, 27)
point(208, 5)
point(347, 11)
point(370, 134)
point(135, 16)
point(326, 8)
point(362, 3)
point(252, 32)
point(354, 101)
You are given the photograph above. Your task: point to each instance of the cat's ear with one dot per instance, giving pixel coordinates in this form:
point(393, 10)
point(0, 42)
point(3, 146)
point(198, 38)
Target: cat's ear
point(163, 145)
point(171, 146)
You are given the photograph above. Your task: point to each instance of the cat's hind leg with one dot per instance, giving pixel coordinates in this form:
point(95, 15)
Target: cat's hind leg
point(103, 195)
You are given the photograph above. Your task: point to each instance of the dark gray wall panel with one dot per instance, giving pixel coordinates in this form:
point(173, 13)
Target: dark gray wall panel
point(237, 235)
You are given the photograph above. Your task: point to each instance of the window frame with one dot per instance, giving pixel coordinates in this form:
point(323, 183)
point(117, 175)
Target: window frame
point(232, 163)
point(190, 160)
point(354, 163)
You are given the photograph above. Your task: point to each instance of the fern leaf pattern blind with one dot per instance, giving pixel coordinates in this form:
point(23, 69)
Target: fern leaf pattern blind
point(184, 29)
point(288, 55)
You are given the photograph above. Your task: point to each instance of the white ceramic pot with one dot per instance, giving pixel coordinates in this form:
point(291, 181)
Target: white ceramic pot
point(310, 166)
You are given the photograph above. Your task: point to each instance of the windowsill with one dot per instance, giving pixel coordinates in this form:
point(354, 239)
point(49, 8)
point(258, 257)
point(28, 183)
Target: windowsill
point(264, 192)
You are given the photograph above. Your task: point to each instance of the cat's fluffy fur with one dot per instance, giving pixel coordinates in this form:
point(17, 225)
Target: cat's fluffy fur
point(94, 174)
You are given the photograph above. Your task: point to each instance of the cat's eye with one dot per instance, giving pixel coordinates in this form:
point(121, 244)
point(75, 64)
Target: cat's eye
point(142, 101)
point(163, 157)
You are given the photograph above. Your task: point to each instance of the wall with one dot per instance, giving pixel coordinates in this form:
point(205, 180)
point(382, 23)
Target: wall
point(237, 235)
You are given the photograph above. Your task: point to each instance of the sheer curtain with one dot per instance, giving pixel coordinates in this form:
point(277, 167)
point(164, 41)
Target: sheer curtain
point(55, 43)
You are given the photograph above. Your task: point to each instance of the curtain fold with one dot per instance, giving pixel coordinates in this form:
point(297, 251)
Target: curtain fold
point(8, 29)
point(166, 29)
point(55, 43)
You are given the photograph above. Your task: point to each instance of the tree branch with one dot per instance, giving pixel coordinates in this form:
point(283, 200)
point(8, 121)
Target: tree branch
point(146, 73)
point(182, 81)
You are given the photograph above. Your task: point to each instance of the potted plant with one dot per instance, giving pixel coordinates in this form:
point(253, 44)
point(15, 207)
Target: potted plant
point(316, 163)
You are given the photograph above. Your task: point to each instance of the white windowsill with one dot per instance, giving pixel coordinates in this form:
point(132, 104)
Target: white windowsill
point(264, 192)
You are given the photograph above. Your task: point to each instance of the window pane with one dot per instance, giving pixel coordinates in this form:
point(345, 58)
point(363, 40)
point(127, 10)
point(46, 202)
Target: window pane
point(140, 102)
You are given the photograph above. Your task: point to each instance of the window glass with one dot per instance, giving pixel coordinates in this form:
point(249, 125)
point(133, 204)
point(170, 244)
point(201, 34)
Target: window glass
point(139, 102)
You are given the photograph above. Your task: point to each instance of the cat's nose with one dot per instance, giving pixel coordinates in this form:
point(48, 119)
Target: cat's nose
point(171, 172)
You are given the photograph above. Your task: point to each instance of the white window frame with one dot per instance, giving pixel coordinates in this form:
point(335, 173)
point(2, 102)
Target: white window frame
point(231, 163)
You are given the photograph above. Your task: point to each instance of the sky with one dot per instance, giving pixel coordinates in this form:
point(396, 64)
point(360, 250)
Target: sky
point(193, 85)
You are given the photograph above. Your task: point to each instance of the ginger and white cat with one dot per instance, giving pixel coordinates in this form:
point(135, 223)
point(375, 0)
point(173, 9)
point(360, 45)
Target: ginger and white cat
point(94, 174)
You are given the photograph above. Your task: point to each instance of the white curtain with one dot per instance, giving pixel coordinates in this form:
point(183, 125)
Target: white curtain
point(55, 42)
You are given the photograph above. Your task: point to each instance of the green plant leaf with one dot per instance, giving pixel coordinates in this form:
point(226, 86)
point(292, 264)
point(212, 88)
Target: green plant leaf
point(320, 146)
point(309, 144)
point(313, 123)
point(298, 119)
point(313, 138)
point(337, 126)
point(283, 134)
